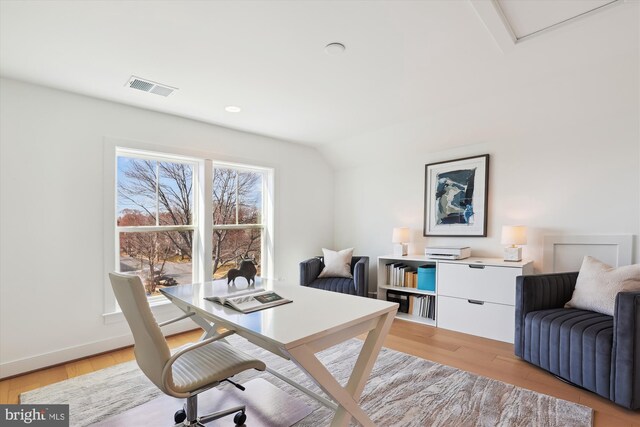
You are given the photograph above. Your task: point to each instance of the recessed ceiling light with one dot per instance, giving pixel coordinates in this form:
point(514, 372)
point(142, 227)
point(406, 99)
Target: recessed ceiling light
point(334, 48)
point(232, 109)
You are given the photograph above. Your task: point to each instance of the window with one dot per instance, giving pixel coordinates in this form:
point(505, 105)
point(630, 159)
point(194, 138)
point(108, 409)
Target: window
point(238, 218)
point(156, 222)
point(187, 219)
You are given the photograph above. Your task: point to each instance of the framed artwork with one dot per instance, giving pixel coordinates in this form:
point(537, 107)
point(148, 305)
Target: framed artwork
point(455, 197)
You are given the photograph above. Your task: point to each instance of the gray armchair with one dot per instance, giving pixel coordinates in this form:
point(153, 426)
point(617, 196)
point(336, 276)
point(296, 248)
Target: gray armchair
point(359, 285)
point(595, 351)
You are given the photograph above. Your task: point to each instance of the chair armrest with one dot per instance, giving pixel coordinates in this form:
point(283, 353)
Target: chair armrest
point(309, 271)
point(625, 360)
point(167, 370)
point(540, 292)
point(361, 276)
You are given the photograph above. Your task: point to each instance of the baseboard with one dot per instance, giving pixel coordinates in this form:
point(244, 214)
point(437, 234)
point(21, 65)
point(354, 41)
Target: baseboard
point(32, 363)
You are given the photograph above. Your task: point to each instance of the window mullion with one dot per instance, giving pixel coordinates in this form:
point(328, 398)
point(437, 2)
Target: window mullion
point(238, 226)
point(237, 199)
point(153, 228)
point(157, 193)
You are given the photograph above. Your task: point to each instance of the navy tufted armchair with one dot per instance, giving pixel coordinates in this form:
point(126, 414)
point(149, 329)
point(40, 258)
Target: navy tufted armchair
point(595, 351)
point(311, 268)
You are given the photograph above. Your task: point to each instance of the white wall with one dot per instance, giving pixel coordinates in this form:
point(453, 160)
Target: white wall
point(564, 146)
point(561, 124)
point(52, 216)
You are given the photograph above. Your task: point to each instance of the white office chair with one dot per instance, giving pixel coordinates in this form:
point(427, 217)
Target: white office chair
point(188, 372)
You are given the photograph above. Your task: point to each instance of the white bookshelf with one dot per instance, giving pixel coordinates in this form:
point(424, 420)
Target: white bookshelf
point(474, 295)
point(410, 290)
point(412, 261)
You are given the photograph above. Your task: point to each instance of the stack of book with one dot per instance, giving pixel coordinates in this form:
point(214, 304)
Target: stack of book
point(401, 275)
point(415, 305)
point(423, 306)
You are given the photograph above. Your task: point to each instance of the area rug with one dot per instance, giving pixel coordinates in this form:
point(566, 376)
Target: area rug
point(403, 390)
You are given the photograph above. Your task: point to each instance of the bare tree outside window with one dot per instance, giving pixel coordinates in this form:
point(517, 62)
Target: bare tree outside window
point(156, 194)
point(156, 218)
point(237, 218)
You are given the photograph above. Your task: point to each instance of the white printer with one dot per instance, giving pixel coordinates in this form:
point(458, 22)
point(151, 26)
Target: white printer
point(447, 252)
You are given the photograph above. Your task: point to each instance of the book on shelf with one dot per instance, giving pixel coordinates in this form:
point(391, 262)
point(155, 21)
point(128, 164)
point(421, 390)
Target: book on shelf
point(250, 301)
point(398, 274)
point(416, 305)
point(388, 270)
point(422, 306)
point(395, 275)
point(410, 277)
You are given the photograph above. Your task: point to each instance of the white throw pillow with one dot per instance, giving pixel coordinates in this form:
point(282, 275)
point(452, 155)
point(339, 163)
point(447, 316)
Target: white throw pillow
point(337, 263)
point(599, 283)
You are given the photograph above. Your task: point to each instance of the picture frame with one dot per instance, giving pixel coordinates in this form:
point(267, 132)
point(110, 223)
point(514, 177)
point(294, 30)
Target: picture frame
point(456, 196)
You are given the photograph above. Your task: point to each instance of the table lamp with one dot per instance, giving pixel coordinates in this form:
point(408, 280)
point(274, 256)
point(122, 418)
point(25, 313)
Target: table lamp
point(513, 235)
point(400, 238)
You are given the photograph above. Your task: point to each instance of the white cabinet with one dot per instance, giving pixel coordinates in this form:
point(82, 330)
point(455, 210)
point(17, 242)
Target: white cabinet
point(478, 281)
point(485, 319)
point(475, 295)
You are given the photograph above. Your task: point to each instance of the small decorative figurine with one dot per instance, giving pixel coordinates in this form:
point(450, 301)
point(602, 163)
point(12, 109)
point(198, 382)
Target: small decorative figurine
point(247, 270)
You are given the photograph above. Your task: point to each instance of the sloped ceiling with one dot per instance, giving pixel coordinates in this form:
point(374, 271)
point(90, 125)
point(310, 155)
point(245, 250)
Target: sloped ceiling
point(402, 59)
point(528, 17)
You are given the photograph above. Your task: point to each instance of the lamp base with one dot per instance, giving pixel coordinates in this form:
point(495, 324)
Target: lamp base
point(400, 249)
point(513, 254)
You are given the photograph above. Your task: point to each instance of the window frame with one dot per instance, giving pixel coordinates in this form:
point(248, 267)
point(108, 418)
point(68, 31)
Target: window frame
point(266, 264)
point(195, 220)
point(202, 240)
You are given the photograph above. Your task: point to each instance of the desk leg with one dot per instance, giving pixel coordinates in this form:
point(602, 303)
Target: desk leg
point(208, 328)
point(346, 397)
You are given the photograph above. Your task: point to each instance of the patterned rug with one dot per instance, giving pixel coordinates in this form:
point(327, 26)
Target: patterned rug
point(403, 390)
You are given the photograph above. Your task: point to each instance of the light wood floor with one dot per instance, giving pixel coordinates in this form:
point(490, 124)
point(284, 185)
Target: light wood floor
point(482, 356)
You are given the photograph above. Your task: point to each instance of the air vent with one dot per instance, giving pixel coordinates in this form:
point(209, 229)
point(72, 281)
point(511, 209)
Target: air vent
point(149, 86)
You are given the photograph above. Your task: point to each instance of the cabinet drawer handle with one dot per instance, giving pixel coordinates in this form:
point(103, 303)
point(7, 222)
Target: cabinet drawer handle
point(477, 266)
point(475, 301)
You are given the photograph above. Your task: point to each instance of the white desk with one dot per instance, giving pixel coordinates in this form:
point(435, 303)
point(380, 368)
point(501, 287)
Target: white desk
point(316, 320)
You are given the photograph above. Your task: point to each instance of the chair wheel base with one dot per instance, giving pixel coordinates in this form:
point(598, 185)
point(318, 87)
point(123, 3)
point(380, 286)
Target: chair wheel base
point(240, 418)
point(179, 416)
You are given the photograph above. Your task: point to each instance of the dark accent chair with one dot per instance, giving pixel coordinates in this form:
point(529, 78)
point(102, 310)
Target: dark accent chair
point(594, 351)
point(311, 268)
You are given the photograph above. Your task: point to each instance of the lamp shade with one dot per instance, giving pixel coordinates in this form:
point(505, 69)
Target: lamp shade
point(514, 235)
point(400, 235)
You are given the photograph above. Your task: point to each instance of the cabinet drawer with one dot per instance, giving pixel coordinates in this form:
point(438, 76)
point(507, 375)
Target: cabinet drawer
point(495, 321)
point(478, 282)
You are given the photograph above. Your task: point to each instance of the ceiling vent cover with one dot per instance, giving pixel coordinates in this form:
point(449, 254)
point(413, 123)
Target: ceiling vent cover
point(149, 86)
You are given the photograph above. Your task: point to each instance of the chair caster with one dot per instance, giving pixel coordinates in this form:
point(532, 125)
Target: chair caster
point(240, 418)
point(179, 416)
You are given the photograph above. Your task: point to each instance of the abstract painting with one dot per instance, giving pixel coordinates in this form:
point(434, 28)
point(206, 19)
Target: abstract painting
point(455, 197)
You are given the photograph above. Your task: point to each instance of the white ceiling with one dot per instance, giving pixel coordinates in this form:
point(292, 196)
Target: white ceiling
point(403, 58)
point(526, 17)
